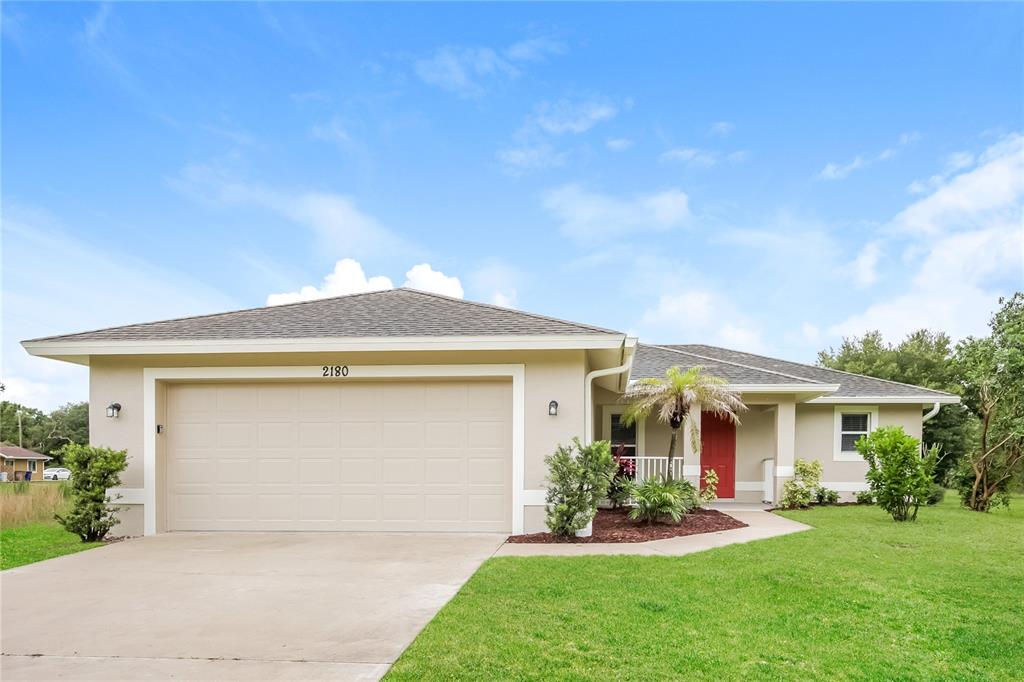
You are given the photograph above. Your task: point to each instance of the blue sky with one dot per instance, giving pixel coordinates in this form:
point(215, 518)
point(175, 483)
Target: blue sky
point(768, 177)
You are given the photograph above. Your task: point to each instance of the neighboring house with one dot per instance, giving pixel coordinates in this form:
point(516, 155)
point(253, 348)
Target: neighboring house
point(408, 411)
point(17, 461)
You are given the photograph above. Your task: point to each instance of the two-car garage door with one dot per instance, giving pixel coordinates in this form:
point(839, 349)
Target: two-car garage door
point(351, 456)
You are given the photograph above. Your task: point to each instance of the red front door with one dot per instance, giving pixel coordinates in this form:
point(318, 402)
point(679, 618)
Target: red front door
point(718, 452)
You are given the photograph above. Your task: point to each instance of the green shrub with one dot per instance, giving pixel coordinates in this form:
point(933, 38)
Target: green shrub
point(658, 498)
point(578, 478)
point(826, 496)
point(798, 493)
point(935, 494)
point(899, 475)
point(865, 497)
point(709, 493)
point(93, 470)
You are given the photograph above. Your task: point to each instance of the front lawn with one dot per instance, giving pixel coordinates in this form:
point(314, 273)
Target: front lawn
point(860, 597)
point(33, 542)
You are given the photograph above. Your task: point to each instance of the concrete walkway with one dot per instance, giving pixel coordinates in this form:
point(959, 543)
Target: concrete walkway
point(760, 525)
point(225, 606)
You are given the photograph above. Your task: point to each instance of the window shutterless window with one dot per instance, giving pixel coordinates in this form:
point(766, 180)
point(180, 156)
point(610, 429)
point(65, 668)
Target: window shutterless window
point(623, 435)
point(854, 426)
point(31, 465)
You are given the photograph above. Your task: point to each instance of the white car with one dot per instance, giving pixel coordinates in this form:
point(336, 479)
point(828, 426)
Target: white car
point(56, 474)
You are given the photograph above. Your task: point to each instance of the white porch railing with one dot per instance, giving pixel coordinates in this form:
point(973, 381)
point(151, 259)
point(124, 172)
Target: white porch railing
point(648, 467)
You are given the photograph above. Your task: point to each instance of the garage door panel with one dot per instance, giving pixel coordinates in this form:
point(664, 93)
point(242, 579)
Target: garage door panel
point(340, 456)
point(323, 434)
point(276, 434)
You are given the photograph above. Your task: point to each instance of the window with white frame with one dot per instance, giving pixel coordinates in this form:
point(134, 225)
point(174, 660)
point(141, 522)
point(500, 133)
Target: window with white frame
point(852, 423)
point(31, 465)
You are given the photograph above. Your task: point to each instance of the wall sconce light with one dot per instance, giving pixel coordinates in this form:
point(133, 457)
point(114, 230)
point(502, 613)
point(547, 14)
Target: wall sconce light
point(553, 408)
point(113, 410)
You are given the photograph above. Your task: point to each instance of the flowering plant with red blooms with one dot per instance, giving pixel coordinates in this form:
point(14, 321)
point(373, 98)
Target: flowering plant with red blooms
point(627, 467)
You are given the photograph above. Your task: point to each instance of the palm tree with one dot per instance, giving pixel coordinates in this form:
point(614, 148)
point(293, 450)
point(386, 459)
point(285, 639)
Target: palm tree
point(673, 397)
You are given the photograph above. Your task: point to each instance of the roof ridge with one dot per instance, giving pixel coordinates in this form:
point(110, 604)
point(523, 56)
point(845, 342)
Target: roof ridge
point(827, 369)
point(738, 364)
point(491, 306)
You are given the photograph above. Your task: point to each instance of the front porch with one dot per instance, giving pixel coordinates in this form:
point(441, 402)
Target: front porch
point(753, 459)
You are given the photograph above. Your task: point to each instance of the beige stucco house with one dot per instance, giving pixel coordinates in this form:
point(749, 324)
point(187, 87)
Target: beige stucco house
point(408, 411)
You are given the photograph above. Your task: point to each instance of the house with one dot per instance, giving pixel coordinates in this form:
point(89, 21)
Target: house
point(403, 410)
point(16, 462)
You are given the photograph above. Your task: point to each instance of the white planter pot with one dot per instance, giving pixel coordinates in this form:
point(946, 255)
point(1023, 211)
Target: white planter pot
point(586, 531)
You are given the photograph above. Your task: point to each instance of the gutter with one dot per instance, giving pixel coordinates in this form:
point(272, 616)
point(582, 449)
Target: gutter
point(931, 413)
point(588, 389)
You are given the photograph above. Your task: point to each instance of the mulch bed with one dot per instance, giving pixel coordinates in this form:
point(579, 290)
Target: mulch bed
point(614, 525)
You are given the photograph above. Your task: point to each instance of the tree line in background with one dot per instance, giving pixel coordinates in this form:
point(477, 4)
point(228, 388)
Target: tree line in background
point(981, 440)
point(42, 432)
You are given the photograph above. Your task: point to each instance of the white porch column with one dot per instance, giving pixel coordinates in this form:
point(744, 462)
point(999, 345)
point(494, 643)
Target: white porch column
point(785, 444)
point(691, 457)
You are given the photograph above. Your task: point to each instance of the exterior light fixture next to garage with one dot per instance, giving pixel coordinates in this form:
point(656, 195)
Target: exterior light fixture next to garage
point(113, 410)
point(553, 408)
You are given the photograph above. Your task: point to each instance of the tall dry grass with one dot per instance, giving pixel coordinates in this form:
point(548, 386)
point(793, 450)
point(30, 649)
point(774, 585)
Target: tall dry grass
point(24, 502)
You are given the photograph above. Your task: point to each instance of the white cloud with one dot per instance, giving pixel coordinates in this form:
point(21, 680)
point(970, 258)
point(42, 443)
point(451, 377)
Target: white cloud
point(569, 116)
point(835, 171)
point(334, 219)
point(691, 156)
point(810, 332)
point(840, 171)
point(506, 299)
point(618, 144)
point(331, 131)
point(469, 71)
point(346, 278)
point(535, 49)
point(518, 160)
point(70, 296)
point(699, 316)
point(588, 216)
point(497, 282)
point(463, 70)
point(967, 244)
point(864, 266)
point(722, 128)
point(425, 278)
point(990, 191)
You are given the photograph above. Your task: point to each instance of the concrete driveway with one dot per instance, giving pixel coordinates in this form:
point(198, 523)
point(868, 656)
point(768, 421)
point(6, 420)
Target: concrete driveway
point(232, 605)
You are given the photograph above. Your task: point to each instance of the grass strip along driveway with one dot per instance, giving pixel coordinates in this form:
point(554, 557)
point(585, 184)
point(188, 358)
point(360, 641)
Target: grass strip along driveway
point(859, 597)
point(37, 541)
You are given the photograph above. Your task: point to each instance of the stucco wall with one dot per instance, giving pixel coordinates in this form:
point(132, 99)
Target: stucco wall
point(549, 375)
point(815, 437)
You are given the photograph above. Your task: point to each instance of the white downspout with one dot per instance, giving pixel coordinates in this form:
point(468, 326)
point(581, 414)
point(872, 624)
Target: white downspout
point(588, 393)
point(931, 413)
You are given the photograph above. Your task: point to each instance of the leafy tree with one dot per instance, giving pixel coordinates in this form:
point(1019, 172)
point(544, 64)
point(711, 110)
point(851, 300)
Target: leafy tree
point(33, 425)
point(67, 424)
point(45, 433)
point(991, 372)
point(674, 396)
point(898, 474)
point(93, 471)
point(925, 359)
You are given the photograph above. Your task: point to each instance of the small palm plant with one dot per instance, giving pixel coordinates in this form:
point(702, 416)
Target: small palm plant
point(673, 397)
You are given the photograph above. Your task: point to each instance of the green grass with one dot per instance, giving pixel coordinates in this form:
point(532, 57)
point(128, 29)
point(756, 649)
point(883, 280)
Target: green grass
point(33, 542)
point(857, 598)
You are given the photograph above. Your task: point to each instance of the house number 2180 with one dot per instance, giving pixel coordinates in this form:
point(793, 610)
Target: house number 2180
point(335, 370)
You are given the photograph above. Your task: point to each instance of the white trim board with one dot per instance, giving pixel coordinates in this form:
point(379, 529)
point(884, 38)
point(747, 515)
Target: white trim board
point(923, 400)
point(323, 345)
point(150, 375)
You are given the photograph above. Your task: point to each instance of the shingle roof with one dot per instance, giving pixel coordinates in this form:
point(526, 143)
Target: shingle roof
point(392, 313)
point(850, 385)
point(652, 361)
point(14, 452)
